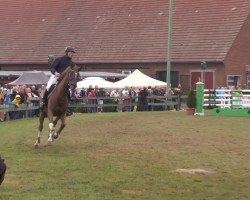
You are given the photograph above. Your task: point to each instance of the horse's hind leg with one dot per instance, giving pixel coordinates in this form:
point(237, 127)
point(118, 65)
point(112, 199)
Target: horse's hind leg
point(40, 128)
point(63, 124)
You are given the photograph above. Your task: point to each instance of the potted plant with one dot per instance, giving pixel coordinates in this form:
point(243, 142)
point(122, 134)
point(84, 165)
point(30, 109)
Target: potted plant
point(191, 103)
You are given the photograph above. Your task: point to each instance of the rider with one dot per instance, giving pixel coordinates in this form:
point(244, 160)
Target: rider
point(58, 66)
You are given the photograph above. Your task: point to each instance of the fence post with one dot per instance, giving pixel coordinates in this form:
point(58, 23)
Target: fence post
point(7, 116)
point(178, 106)
point(199, 98)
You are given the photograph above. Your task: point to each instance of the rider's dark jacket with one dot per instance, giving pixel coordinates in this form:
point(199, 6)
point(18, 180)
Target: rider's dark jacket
point(61, 63)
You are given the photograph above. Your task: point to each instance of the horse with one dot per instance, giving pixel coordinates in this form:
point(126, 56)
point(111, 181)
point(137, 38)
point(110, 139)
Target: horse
point(57, 106)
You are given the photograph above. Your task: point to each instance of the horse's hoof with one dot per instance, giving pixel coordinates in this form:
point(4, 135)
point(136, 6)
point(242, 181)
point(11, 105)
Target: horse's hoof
point(55, 136)
point(50, 140)
point(36, 146)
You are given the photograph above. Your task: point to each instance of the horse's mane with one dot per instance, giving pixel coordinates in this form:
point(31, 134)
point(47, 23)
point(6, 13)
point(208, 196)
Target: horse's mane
point(64, 73)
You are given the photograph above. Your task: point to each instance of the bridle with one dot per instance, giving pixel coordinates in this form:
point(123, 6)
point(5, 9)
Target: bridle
point(74, 79)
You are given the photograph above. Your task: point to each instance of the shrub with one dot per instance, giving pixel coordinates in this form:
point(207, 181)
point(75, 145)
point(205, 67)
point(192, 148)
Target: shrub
point(191, 100)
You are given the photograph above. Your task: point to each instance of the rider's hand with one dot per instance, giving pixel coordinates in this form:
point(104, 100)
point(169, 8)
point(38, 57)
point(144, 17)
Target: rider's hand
point(57, 74)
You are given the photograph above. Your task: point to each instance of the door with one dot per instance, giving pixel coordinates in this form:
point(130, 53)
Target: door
point(206, 77)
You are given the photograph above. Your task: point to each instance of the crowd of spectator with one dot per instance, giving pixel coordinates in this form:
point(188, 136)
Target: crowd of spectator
point(21, 95)
point(24, 95)
point(124, 96)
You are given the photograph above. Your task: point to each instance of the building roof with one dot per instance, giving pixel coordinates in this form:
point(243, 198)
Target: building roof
point(119, 31)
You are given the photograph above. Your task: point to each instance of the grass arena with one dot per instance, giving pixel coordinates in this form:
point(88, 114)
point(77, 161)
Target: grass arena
point(142, 155)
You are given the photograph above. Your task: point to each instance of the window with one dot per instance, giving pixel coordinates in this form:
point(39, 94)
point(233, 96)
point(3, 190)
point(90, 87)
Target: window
point(174, 76)
point(248, 82)
point(233, 80)
point(127, 72)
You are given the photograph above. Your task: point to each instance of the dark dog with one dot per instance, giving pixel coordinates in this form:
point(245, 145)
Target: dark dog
point(2, 170)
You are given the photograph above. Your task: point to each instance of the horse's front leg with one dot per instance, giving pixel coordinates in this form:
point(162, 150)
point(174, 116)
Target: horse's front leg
point(51, 128)
point(55, 123)
point(40, 128)
point(63, 124)
point(56, 120)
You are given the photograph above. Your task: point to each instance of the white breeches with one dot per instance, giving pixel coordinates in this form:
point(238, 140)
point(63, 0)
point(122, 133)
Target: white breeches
point(52, 80)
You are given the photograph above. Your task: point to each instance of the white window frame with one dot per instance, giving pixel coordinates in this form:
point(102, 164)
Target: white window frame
point(232, 81)
point(127, 72)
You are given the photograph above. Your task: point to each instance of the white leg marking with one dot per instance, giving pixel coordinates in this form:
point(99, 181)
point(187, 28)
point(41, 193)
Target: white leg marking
point(51, 126)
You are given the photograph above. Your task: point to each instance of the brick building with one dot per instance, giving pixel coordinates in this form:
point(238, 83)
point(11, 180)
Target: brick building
point(123, 35)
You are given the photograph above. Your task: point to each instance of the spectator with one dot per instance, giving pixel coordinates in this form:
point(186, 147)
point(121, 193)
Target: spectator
point(168, 94)
point(89, 89)
point(17, 99)
point(116, 93)
point(1, 102)
point(1, 96)
point(82, 93)
point(178, 92)
point(36, 102)
point(41, 91)
point(28, 100)
point(34, 91)
point(132, 94)
point(157, 92)
point(12, 114)
point(150, 100)
point(100, 93)
point(91, 101)
point(22, 94)
point(143, 100)
point(125, 95)
point(7, 96)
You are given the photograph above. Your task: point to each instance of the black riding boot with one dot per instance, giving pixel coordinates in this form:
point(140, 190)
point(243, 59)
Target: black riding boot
point(69, 111)
point(45, 99)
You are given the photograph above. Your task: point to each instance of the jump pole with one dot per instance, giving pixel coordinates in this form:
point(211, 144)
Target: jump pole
point(199, 98)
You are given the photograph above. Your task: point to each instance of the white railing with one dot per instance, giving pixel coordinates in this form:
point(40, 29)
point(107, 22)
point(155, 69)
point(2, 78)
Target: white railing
point(225, 98)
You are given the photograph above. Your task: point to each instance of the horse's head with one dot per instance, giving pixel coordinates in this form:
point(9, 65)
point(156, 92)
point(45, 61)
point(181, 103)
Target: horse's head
point(71, 76)
point(74, 76)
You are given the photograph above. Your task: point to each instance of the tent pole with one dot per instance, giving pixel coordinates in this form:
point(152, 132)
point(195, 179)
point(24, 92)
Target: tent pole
point(168, 71)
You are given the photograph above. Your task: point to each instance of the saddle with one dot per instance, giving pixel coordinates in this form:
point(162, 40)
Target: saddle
point(46, 96)
point(44, 103)
point(51, 89)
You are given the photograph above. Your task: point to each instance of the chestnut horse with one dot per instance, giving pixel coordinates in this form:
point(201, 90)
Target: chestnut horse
point(57, 104)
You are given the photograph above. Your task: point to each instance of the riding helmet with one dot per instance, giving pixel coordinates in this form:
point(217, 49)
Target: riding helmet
point(70, 49)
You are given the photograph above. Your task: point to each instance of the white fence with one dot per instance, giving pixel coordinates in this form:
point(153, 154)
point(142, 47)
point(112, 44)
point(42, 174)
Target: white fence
point(225, 98)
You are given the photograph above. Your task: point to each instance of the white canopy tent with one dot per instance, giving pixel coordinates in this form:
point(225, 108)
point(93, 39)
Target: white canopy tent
point(138, 79)
point(93, 81)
